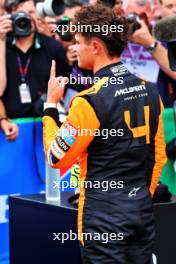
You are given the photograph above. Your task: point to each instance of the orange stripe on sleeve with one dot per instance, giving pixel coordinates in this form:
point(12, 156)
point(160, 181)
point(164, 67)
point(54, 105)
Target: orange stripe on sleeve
point(160, 153)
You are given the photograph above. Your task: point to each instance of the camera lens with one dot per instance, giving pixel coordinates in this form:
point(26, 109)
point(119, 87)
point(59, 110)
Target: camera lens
point(22, 23)
point(65, 35)
point(133, 19)
point(50, 7)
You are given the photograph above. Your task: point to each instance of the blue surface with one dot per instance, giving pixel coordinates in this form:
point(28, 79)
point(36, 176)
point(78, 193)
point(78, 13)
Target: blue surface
point(18, 174)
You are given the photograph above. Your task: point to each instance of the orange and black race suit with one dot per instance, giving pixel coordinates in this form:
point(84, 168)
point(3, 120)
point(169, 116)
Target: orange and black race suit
point(115, 129)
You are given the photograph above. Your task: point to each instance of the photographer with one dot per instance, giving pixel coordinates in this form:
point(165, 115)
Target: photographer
point(10, 129)
point(25, 62)
point(143, 37)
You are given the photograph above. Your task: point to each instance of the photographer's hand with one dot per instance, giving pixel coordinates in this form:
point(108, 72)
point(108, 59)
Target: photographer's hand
point(10, 130)
point(5, 26)
point(142, 36)
point(56, 86)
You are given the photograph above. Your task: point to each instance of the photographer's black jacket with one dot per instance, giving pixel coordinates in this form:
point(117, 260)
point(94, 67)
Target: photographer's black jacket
point(44, 50)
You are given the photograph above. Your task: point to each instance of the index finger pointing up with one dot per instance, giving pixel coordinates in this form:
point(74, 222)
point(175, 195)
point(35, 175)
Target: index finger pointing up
point(53, 69)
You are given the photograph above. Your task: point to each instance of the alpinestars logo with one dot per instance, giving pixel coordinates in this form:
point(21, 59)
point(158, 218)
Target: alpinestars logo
point(134, 191)
point(133, 89)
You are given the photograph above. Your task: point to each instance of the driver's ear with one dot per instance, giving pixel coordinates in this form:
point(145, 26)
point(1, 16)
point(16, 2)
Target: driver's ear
point(96, 47)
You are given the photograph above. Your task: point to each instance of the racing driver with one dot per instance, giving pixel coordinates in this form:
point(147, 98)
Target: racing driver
point(118, 101)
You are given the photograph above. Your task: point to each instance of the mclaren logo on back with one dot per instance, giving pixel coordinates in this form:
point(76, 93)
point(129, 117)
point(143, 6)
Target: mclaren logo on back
point(128, 90)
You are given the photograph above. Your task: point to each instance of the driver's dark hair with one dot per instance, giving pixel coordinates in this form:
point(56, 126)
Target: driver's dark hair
point(100, 15)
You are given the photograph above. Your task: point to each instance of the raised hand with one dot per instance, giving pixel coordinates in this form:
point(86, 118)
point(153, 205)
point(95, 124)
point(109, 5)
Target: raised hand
point(56, 86)
point(142, 36)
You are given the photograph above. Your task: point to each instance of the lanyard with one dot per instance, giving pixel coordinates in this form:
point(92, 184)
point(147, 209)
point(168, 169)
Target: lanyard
point(23, 70)
point(135, 54)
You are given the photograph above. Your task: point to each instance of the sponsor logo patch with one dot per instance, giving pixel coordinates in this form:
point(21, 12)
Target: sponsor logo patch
point(119, 70)
point(62, 144)
point(72, 130)
point(56, 150)
point(65, 134)
point(128, 90)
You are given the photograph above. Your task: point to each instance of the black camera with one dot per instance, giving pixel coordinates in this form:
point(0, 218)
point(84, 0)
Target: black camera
point(63, 28)
point(133, 20)
point(21, 22)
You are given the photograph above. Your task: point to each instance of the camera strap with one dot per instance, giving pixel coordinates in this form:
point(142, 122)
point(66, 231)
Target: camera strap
point(23, 70)
point(24, 90)
point(135, 53)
